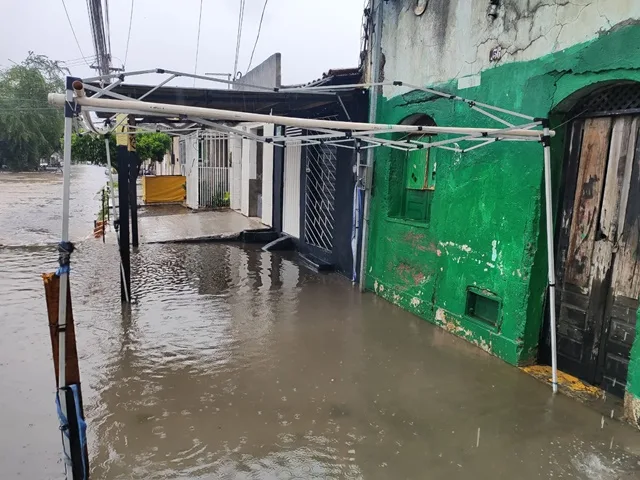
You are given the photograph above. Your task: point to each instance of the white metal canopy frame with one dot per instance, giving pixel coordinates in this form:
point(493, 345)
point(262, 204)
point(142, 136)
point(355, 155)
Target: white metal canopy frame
point(343, 134)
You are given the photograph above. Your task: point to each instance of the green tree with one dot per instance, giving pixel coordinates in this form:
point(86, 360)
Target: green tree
point(152, 146)
point(90, 148)
point(30, 129)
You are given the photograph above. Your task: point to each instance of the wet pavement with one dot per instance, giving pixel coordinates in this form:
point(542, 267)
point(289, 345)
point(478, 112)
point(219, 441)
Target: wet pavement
point(162, 224)
point(237, 363)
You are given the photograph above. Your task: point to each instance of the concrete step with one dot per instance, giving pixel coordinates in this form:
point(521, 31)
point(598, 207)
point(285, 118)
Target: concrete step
point(314, 263)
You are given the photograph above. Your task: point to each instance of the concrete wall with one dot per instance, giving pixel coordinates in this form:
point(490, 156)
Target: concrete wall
point(487, 214)
point(267, 74)
point(453, 39)
point(267, 177)
point(235, 157)
point(166, 167)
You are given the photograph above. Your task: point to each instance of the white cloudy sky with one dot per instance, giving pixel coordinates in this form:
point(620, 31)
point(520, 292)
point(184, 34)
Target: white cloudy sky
point(312, 35)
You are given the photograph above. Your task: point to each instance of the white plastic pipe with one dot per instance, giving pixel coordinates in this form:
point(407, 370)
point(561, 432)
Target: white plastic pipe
point(164, 110)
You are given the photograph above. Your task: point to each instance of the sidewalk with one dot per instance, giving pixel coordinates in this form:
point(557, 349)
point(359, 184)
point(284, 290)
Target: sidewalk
point(160, 224)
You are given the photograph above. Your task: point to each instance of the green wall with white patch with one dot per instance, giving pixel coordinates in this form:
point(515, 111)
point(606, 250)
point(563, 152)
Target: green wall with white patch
point(485, 231)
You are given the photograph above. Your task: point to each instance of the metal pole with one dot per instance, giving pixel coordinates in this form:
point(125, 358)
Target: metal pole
point(133, 196)
point(104, 217)
point(164, 110)
point(376, 46)
point(123, 279)
point(546, 143)
point(64, 276)
point(123, 206)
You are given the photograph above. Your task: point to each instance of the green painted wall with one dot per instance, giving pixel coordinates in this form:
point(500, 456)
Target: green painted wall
point(486, 228)
point(633, 380)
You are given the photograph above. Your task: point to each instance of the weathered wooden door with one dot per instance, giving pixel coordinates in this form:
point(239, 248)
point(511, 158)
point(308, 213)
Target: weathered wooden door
point(598, 259)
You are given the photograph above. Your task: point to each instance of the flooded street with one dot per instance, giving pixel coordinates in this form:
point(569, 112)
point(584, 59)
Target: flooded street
point(236, 363)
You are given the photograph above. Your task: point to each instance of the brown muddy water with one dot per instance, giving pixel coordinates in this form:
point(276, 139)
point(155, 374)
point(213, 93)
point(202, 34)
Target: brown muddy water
point(235, 363)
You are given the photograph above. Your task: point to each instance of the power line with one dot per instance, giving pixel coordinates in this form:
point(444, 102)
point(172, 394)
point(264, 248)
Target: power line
point(195, 68)
point(96, 17)
point(77, 62)
point(74, 32)
point(239, 36)
point(26, 109)
point(126, 52)
point(258, 35)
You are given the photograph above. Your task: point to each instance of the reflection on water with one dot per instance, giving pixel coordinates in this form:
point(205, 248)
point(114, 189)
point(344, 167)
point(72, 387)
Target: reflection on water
point(236, 363)
point(31, 205)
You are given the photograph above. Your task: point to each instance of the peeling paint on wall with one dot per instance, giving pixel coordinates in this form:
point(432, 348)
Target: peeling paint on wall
point(463, 36)
point(486, 218)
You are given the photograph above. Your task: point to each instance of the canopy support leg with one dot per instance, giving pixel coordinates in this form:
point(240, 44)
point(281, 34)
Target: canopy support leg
point(63, 273)
point(546, 143)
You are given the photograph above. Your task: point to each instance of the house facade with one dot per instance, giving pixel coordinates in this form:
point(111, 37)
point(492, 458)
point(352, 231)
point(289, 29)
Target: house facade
point(459, 239)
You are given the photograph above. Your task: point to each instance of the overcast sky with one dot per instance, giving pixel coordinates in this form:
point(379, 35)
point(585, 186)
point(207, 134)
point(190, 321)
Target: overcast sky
point(312, 35)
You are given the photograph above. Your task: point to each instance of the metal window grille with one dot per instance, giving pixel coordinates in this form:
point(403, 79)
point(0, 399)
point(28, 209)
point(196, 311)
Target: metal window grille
point(320, 192)
point(615, 99)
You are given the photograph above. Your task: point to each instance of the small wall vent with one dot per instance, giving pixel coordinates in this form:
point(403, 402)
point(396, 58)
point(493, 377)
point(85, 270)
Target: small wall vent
point(483, 305)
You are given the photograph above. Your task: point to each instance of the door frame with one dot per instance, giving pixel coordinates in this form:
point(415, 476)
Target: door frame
point(593, 370)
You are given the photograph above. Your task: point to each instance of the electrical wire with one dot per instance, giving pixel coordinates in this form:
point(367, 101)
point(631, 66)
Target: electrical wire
point(258, 35)
point(126, 52)
point(195, 68)
point(77, 62)
point(25, 109)
point(74, 32)
point(238, 38)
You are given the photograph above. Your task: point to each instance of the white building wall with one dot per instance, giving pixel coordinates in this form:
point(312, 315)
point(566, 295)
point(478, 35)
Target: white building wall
point(191, 170)
point(453, 39)
point(235, 155)
point(291, 194)
point(245, 176)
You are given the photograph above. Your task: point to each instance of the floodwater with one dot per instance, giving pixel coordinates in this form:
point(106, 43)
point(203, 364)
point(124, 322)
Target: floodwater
point(235, 363)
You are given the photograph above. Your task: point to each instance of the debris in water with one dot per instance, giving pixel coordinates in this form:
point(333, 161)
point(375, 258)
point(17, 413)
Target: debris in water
point(478, 439)
point(612, 413)
point(602, 422)
point(611, 444)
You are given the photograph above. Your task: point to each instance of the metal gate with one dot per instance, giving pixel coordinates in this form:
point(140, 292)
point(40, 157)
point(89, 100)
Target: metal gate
point(204, 158)
point(320, 196)
point(213, 170)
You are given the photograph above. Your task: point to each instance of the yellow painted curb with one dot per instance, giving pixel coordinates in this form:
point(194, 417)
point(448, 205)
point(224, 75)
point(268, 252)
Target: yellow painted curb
point(570, 385)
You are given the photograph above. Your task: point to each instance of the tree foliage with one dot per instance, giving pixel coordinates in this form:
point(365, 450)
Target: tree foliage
point(30, 129)
point(153, 146)
point(90, 148)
